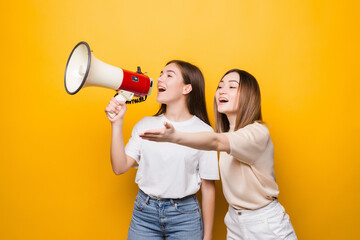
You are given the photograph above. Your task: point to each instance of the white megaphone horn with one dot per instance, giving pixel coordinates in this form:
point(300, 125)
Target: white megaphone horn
point(83, 69)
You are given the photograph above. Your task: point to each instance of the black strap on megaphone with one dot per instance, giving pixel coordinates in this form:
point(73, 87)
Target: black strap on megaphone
point(136, 100)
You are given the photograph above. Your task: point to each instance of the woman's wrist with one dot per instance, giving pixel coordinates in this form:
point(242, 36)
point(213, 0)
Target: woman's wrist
point(208, 237)
point(117, 124)
point(176, 137)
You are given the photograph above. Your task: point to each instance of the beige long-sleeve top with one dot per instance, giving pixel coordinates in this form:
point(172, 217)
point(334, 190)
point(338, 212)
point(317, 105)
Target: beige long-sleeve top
point(247, 173)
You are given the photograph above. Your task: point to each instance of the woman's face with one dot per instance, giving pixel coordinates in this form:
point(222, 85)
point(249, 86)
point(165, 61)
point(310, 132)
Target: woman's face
point(226, 95)
point(170, 84)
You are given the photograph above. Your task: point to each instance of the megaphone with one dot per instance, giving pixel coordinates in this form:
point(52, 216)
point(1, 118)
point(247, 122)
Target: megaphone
point(83, 69)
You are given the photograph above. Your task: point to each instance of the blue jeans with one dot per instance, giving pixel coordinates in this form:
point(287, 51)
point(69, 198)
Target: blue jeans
point(175, 219)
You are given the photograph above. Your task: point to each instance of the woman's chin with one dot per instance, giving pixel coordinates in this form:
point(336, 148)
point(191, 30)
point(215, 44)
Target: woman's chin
point(221, 110)
point(227, 112)
point(160, 100)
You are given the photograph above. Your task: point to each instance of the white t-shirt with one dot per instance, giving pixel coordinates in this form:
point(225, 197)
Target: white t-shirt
point(168, 170)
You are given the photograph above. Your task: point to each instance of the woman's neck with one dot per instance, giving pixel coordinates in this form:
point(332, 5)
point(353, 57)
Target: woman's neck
point(177, 112)
point(232, 120)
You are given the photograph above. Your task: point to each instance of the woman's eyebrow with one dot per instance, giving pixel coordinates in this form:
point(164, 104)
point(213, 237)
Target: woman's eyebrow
point(168, 71)
point(171, 71)
point(234, 81)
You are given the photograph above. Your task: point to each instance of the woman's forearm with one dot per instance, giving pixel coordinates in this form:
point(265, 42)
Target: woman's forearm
point(203, 140)
point(208, 206)
point(119, 160)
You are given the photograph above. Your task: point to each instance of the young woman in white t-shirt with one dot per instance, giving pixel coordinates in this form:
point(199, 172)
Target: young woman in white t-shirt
point(246, 159)
point(168, 174)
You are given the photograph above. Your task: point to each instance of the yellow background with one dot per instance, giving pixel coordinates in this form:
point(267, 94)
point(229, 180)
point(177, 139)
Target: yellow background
point(56, 180)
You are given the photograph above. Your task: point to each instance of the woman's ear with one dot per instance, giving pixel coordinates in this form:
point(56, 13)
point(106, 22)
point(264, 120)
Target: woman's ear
point(186, 89)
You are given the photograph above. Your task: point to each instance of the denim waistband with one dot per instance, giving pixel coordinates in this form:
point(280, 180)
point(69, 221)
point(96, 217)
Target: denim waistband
point(172, 200)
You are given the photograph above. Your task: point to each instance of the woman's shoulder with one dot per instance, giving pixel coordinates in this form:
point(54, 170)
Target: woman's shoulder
point(259, 126)
point(148, 122)
point(201, 125)
point(150, 119)
point(257, 129)
point(250, 139)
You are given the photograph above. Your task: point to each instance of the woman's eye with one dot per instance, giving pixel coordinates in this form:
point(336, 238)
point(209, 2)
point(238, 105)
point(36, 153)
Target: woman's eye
point(169, 75)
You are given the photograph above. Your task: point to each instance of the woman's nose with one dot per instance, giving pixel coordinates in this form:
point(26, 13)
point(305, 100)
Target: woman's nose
point(160, 79)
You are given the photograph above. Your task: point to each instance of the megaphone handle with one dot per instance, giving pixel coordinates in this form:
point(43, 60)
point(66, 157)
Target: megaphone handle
point(120, 98)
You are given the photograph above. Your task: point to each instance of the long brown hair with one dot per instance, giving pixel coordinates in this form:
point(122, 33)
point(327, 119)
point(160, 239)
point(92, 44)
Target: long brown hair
point(196, 98)
point(249, 110)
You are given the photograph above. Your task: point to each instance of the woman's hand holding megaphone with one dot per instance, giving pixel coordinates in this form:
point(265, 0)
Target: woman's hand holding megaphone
point(115, 110)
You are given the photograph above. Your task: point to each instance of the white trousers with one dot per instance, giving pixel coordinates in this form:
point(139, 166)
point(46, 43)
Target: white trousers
point(268, 223)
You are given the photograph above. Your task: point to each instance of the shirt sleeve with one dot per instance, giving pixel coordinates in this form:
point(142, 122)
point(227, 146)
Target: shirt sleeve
point(248, 143)
point(208, 165)
point(133, 147)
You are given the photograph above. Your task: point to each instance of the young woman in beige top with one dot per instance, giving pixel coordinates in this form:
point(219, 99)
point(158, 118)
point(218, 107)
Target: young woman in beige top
point(246, 159)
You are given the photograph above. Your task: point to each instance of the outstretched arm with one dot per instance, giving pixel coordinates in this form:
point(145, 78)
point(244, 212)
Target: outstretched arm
point(199, 140)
